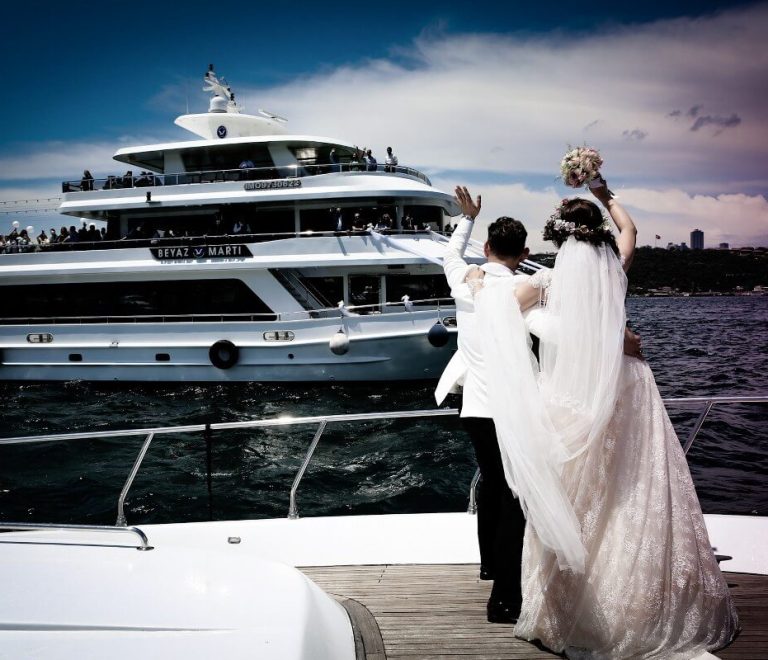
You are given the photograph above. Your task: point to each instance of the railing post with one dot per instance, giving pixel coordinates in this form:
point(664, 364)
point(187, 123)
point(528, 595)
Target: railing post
point(209, 467)
point(697, 427)
point(121, 521)
point(293, 509)
point(472, 508)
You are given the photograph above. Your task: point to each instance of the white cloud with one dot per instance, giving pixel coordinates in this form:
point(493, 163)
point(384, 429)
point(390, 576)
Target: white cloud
point(672, 214)
point(510, 104)
point(65, 161)
point(513, 103)
point(31, 205)
point(737, 219)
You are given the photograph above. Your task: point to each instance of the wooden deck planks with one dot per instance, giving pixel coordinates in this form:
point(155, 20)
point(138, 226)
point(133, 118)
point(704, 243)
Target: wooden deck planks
point(438, 611)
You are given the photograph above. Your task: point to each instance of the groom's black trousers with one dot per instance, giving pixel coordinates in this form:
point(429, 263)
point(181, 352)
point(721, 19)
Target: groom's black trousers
point(500, 521)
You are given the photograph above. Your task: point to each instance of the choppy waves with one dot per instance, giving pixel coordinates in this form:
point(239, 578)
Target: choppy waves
point(696, 346)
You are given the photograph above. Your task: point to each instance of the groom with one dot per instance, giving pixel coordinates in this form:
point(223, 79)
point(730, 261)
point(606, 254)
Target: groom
point(500, 522)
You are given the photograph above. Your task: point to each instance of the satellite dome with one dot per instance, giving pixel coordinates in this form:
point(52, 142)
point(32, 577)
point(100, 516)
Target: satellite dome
point(218, 104)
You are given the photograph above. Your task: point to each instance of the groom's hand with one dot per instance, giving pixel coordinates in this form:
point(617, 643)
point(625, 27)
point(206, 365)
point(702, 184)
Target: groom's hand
point(464, 200)
point(633, 345)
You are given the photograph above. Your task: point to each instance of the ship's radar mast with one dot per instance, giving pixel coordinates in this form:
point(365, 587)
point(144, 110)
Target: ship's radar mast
point(221, 92)
point(225, 118)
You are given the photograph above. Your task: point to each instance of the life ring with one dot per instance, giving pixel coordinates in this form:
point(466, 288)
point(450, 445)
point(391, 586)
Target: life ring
point(224, 354)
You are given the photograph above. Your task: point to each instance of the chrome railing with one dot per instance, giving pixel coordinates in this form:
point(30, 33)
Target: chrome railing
point(45, 527)
point(322, 422)
point(152, 180)
point(423, 304)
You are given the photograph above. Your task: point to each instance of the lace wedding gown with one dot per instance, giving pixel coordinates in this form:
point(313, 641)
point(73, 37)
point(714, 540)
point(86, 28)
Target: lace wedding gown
point(651, 587)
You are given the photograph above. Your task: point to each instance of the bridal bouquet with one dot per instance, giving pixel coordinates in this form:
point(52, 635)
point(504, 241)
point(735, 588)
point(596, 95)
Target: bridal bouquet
point(580, 166)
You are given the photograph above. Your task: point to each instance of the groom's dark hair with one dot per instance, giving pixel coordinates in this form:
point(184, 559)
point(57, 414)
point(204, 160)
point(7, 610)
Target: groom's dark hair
point(506, 237)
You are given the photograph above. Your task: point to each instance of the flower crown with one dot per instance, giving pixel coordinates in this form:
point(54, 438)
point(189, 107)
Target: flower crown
point(558, 230)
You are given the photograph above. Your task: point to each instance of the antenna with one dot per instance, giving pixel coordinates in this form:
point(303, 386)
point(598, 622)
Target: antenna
point(219, 87)
point(272, 115)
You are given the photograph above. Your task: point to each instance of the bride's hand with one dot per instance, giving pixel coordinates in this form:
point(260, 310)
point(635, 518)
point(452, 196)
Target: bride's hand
point(633, 345)
point(601, 192)
point(475, 274)
point(474, 279)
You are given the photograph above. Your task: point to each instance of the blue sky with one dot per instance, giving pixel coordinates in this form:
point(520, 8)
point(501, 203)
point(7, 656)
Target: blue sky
point(673, 94)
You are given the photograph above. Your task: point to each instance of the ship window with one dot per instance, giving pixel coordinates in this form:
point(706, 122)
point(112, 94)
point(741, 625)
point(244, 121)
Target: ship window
point(75, 357)
point(352, 217)
point(133, 299)
point(162, 357)
point(421, 216)
point(417, 287)
point(305, 155)
point(364, 290)
point(322, 219)
point(328, 290)
point(202, 159)
point(259, 220)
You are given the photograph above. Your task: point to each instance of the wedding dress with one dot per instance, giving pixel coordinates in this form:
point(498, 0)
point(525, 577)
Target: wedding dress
point(649, 585)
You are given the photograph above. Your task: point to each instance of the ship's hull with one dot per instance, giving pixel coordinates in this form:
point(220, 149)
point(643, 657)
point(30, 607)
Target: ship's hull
point(381, 347)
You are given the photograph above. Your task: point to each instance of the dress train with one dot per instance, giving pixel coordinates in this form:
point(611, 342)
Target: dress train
point(652, 587)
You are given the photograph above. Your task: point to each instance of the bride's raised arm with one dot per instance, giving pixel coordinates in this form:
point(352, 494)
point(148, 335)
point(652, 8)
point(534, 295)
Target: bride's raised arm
point(627, 237)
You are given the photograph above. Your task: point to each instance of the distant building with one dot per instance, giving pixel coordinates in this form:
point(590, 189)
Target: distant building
point(683, 245)
point(724, 246)
point(697, 239)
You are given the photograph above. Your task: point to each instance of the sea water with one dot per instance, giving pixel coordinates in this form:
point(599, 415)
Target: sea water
point(696, 347)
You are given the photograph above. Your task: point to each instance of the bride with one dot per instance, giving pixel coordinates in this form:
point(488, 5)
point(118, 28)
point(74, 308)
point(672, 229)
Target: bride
point(617, 562)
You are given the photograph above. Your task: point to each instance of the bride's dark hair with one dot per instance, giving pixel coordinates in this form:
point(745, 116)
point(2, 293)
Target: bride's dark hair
point(581, 219)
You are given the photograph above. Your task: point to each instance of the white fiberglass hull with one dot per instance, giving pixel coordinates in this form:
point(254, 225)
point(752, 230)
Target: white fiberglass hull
point(382, 347)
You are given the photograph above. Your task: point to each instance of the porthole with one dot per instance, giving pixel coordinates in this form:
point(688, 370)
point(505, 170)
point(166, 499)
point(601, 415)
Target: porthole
point(279, 335)
point(40, 338)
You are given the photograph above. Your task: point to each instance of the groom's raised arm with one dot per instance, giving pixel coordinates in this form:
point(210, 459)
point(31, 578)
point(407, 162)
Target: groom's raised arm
point(454, 266)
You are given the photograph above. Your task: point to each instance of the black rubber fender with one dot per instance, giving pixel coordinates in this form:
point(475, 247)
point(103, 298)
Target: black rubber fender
point(224, 354)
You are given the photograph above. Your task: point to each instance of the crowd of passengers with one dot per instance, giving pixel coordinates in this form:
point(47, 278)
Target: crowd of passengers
point(128, 180)
point(27, 240)
point(384, 222)
point(361, 160)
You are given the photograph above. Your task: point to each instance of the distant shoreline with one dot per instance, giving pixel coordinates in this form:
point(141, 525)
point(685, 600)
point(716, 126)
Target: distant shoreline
point(707, 294)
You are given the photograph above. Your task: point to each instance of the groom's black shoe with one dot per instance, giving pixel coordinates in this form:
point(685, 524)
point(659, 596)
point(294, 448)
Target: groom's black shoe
point(502, 612)
point(486, 573)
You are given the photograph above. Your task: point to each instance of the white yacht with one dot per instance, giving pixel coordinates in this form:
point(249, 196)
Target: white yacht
point(246, 254)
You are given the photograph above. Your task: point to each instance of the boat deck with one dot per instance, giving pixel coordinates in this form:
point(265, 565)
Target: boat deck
point(438, 611)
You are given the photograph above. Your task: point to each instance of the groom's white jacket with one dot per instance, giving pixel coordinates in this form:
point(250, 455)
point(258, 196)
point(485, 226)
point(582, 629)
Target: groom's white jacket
point(467, 367)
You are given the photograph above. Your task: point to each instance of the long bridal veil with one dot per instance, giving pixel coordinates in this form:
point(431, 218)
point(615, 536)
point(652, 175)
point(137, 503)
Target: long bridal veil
point(543, 421)
point(530, 450)
point(581, 358)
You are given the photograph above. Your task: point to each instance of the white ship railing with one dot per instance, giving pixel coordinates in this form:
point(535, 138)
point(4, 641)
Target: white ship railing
point(152, 180)
point(321, 421)
point(420, 305)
